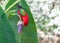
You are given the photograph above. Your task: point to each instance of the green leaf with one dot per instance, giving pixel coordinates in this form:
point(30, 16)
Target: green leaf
point(9, 3)
point(6, 32)
point(29, 33)
point(13, 23)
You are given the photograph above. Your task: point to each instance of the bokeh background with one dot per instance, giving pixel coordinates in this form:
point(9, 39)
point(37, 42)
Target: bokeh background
point(46, 14)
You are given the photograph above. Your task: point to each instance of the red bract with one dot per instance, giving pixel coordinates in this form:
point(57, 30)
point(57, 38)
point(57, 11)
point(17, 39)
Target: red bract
point(25, 19)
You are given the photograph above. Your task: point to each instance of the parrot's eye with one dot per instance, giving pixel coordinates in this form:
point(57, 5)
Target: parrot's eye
point(19, 6)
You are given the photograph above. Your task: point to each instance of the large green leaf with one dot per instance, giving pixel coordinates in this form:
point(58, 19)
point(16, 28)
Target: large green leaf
point(29, 33)
point(6, 32)
point(13, 22)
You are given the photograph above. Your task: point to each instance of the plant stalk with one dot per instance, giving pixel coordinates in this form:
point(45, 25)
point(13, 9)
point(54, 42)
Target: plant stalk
point(12, 6)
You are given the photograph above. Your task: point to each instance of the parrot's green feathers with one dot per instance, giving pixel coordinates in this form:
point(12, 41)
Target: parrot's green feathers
point(22, 12)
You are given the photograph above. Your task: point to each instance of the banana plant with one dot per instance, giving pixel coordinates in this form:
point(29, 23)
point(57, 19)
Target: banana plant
point(8, 24)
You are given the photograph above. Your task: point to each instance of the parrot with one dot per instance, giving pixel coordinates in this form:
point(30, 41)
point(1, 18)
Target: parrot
point(24, 19)
point(24, 16)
